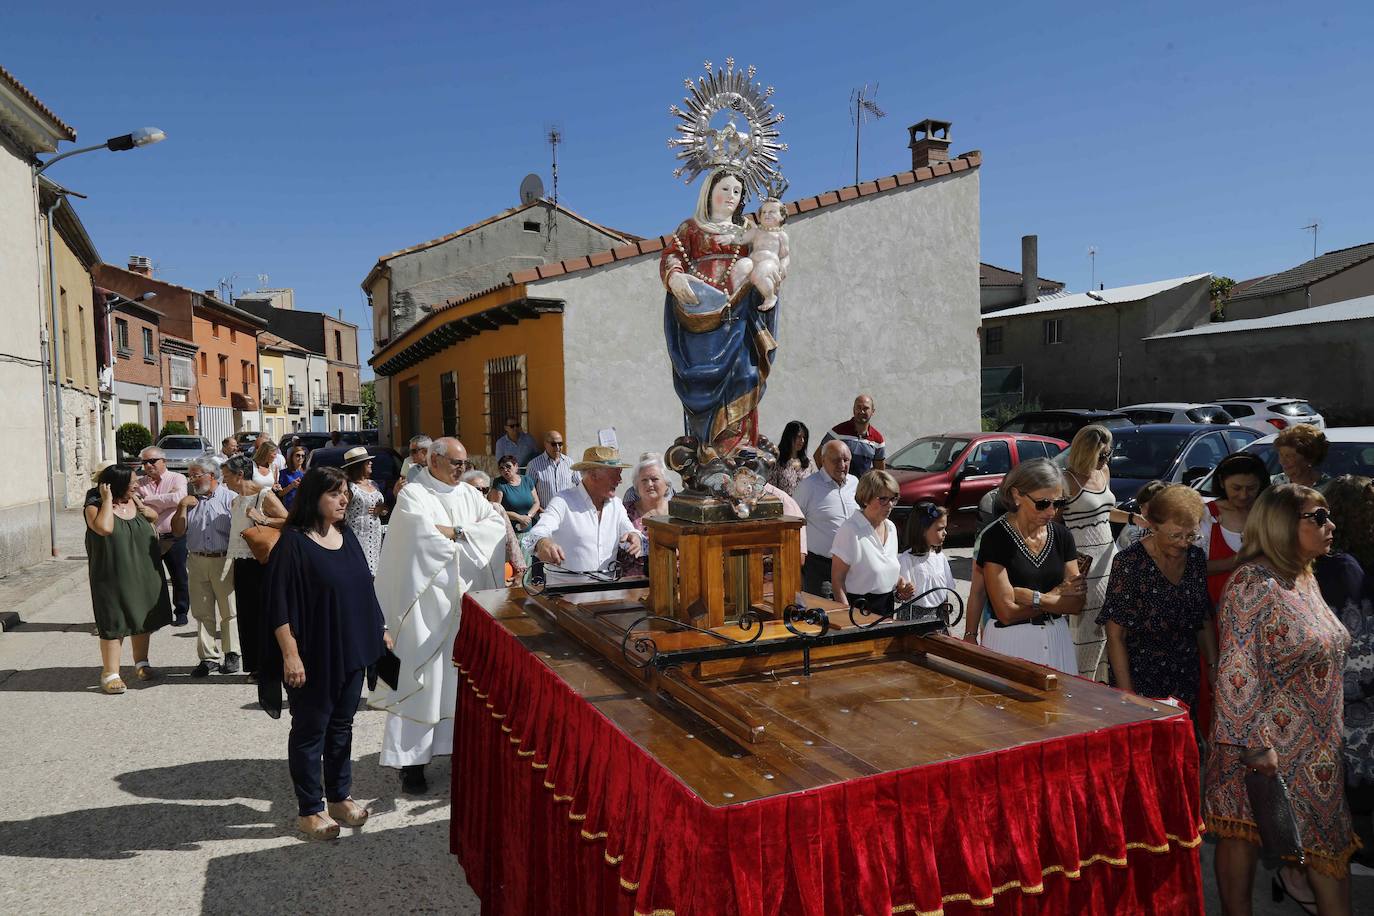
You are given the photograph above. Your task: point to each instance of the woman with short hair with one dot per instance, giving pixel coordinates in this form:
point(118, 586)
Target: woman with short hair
point(1279, 701)
point(1030, 570)
point(1302, 448)
point(864, 569)
point(1157, 604)
point(515, 494)
point(651, 492)
point(328, 631)
point(255, 505)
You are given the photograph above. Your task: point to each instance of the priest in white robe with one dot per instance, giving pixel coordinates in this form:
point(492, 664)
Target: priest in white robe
point(441, 533)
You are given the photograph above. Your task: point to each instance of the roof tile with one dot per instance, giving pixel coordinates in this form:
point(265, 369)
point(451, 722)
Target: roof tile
point(905, 178)
point(828, 198)
point(849, 193)
point(529, 275)
point(33, 100)
point(888, 183)
point(625, 251)
point(601, 258)
point(924, 173)
point(1308, 272)
point(867, 187)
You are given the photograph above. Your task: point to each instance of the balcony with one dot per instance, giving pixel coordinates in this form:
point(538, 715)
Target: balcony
point(320, 401)
point(271, 397)
point(346, 397)
point(295, 398)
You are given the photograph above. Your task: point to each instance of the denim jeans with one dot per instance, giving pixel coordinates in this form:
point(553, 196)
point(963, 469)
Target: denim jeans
point(322, 731)
point(174, 561)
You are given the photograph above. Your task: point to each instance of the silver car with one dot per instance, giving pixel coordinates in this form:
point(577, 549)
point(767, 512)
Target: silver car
point(1274, 413)
point(181, 449)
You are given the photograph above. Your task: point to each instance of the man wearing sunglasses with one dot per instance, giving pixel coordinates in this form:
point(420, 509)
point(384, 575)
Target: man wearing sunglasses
point(162, 490)
point(553, 470)
point(516, 442)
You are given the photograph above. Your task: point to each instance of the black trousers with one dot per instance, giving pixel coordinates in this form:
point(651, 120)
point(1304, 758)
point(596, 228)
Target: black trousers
point(174, 561)
point(248, 576)
point(815, 574)
point(322, 731)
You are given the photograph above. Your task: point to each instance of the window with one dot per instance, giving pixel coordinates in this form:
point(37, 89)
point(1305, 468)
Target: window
point(338, 346)
point(223, 376)
point(505, 395)
point(448, 397)
point(85, 360)
point(992, 457)
point(122, 337)
point(1206, 452)
point(247, 371)
point(66, 338)
point(204, 368)
point(214, 329)
point(992, 340)
point(1027, 449)
point(1054, 330)
point(182, 376)
point(1239, 410)
point(233, 335)
point(148, 355)
point(531, 226)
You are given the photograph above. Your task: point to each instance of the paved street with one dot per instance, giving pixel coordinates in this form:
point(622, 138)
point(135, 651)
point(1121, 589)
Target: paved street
point(175, 797)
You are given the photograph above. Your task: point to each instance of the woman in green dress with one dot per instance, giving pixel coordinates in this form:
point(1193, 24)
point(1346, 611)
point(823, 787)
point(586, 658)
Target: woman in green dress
point(128, 590)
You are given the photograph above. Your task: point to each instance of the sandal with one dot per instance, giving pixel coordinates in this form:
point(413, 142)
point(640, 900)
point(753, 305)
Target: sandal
point(145, 672)
point(112, 684)
point(349, 812)
point(1280, 888)
point(313, 830)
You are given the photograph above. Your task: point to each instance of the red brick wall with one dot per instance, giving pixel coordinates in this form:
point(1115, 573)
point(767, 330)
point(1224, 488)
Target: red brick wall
point(130, 365)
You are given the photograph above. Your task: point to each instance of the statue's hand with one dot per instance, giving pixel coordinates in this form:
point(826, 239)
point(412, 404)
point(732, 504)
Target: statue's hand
point(681, 289)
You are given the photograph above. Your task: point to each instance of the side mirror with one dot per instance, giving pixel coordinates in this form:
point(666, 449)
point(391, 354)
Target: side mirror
point(970, 470)
point(1192, 475)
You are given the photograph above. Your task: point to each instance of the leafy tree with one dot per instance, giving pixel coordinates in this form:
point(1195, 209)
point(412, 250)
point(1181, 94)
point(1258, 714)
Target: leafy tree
point(132, 438)
point(1221, 288)
point(174, 428)
point(369, 417)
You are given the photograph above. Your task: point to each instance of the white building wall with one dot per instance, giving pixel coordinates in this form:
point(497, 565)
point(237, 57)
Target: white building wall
point(24, 529)
point(882, 297)
point(317, 375)
point(296, 369)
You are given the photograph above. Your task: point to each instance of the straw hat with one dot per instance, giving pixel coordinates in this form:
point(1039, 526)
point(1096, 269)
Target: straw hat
point(355, 455)
point(600, 456)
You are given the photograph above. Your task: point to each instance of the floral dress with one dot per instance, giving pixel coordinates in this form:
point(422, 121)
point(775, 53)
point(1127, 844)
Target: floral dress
point(363, 523)
point(1279, 685)
point(1161, 621)
point(786, 476)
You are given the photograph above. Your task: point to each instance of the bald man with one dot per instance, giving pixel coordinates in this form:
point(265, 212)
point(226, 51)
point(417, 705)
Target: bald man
point(826, 500)
point(868, 451)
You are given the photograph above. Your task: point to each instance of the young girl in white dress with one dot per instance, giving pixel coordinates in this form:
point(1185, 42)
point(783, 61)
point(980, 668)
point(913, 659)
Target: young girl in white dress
point(923, 563)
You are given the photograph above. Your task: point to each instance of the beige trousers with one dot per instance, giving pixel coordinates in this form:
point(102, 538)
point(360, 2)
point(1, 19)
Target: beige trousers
point(212, 586)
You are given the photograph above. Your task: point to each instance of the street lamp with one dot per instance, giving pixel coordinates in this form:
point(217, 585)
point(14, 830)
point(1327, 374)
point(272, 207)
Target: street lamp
point(144, 136)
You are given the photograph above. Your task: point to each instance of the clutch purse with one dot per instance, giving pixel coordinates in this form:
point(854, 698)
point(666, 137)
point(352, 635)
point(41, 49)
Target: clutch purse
point(1278, 828)
point(261, 539)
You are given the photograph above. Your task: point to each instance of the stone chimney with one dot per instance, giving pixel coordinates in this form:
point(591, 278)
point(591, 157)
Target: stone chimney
point(140, 265)
point(929, 142)
point(1030, 269)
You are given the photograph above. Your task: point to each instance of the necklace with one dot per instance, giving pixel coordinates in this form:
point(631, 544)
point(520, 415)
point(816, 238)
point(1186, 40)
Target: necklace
point(692, 265)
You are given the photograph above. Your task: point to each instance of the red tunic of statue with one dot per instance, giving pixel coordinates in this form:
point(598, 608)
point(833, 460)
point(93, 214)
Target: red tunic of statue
point(707, 256)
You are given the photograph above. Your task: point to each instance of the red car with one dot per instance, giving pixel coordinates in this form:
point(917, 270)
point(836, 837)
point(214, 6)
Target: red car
point(956, 470)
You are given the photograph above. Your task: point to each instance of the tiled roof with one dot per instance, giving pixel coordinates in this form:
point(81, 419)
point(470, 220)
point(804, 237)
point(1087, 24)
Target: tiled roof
point(32, 99)
point(1117, 296)
point(1309, 272)
point(208, 300)
point(991, 275)
point(969, 160)
point(1349, 310)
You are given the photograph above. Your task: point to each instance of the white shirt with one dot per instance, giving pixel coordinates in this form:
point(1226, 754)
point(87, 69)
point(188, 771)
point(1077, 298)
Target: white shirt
point(589, 541)
point(278, 463)
point(826, 505)
point(873, 565)
point(927, 571)
point(551, 476)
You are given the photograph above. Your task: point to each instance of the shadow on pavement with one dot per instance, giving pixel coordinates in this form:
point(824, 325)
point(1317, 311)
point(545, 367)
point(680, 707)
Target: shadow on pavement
point(86, 678)
point(29, 626)
point(123, 831)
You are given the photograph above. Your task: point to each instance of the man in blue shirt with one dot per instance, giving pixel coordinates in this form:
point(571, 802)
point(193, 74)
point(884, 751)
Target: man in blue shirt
point(553, 470)
point(204, 517)
point(516, 442)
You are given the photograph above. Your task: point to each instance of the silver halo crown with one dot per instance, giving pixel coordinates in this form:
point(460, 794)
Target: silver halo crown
point(751, 150)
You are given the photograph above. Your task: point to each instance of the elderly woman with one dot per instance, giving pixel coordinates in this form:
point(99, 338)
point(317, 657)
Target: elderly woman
point(1279, 701)
point(264, 457)
point(289, 478)
point(1088, 516)
point(651, 494)
point(515, 494)
point(128, 591)
point(864, 568)
point(582, 527)
point(1157, 603)
point(494, 574)
point(366, 504)
point(1029, 571)
point(328, 632)
point(1302, 449)
point(254, 504)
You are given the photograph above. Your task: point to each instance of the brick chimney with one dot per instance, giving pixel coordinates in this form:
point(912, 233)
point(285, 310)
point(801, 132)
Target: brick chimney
point(140, 265)
point(929, 142)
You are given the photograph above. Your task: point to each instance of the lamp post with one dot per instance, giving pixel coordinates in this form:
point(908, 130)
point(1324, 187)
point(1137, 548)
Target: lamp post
point(144, 136)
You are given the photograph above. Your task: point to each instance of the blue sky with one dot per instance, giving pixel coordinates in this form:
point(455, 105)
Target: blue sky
point(305, 140)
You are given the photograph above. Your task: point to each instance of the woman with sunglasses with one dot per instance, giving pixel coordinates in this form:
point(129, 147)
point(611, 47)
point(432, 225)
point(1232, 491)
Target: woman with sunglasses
point(864, 568)
point(1278, 702)
point(1030, 571)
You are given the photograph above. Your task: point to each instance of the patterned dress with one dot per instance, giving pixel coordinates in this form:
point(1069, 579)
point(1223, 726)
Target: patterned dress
point(1088, 518)
point(1279, 685)
point(1161, 621)
point(363, 523)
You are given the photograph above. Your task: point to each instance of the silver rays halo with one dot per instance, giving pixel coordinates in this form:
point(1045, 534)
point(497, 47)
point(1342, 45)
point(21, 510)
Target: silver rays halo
point(752, 150)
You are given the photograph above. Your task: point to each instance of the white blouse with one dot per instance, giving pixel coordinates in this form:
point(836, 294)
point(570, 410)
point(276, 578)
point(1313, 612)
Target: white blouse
point(873, 565)
point(927, 571)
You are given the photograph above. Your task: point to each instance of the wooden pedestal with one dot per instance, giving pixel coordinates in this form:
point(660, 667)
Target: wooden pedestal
point(705, 573)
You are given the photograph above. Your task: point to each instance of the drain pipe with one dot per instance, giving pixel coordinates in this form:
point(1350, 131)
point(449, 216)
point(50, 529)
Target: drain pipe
point(56, 356)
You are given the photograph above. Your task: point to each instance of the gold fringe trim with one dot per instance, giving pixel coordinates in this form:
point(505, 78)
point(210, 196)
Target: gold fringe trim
point(1333, 865)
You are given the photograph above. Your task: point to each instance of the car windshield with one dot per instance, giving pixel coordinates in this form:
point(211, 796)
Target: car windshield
point(1294, 409)
point(1145, 454)
point(1210, 415)
point(182, 444)
point(931, 454)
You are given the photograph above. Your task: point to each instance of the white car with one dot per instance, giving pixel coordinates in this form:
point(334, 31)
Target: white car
point(1269, 414)
point(1174, 412)
point(1350, 451)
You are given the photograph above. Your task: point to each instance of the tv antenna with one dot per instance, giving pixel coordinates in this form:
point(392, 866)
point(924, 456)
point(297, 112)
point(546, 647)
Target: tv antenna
point(1092, 257)
point(1314, 226)
point(861, 107)
point(226, 288)
point(262, 281)
point(553, 134)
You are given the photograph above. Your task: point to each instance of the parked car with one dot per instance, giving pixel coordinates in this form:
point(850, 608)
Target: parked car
point(248, 440)
point(370, 436)
point(181, 449)
point(1351, 452)
point(955, 470)
point(1143, 414)
point(313, 440)
point(1063, 424)
point(1269, 414)
point(386, 465)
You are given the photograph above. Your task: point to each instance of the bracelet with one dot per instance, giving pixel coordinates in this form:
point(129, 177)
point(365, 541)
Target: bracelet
point(1130, 518)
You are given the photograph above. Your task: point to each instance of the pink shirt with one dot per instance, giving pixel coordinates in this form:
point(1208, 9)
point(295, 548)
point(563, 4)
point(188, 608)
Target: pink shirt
point(162, 496)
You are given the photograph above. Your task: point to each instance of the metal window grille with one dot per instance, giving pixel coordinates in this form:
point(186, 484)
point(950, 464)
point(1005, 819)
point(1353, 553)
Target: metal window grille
point(505, 396)
point(448, 396)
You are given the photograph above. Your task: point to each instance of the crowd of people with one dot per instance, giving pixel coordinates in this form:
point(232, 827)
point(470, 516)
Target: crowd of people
point(1252, 608)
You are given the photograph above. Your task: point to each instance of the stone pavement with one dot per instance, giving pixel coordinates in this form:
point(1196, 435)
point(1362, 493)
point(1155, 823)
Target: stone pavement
point(175, 796)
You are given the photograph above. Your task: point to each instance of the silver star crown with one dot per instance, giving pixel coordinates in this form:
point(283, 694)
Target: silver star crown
point(750, 148)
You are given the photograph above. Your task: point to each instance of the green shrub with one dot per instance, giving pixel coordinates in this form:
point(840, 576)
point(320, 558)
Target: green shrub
point(174, 428)
point(132, 438)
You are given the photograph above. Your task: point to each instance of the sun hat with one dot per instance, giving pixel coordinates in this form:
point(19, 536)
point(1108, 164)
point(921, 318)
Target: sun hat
point(600, 456)
point(355, 455)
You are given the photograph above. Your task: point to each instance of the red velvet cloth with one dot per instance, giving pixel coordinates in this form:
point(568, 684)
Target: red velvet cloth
point(555, 810)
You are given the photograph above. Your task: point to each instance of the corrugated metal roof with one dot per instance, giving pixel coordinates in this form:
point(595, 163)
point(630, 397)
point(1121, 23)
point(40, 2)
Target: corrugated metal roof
point(1114, 296)
point(1349, 310)
point(1307, 273)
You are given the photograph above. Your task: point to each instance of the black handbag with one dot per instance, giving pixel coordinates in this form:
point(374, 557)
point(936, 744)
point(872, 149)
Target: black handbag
point(1280, 841)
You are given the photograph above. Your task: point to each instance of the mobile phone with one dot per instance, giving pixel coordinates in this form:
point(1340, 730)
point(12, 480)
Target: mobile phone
point(1085, 563)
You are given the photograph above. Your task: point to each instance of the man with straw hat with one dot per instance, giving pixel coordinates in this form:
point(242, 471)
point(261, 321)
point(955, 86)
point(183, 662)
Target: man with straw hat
point(581, 528)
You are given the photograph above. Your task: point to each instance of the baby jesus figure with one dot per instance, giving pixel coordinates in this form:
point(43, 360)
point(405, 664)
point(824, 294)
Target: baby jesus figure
point(766, 264)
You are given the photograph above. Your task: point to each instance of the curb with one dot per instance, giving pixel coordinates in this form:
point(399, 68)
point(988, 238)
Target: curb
point(43, 596)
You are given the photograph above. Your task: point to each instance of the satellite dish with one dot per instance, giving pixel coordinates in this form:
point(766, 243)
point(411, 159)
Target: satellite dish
point(531, 189)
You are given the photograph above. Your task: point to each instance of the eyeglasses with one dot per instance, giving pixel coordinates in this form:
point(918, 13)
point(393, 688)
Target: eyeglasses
point(459, 463)
point(1042, 504)
point(149, 460)
point(484, 489)
point(1319, 516)
point(1183, 537)
point(558, 444)
point(886, 500)
point(512, 425)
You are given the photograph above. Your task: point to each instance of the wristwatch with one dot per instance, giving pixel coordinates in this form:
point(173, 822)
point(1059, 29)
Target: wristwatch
point(457, 534)
point(1035, 599)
